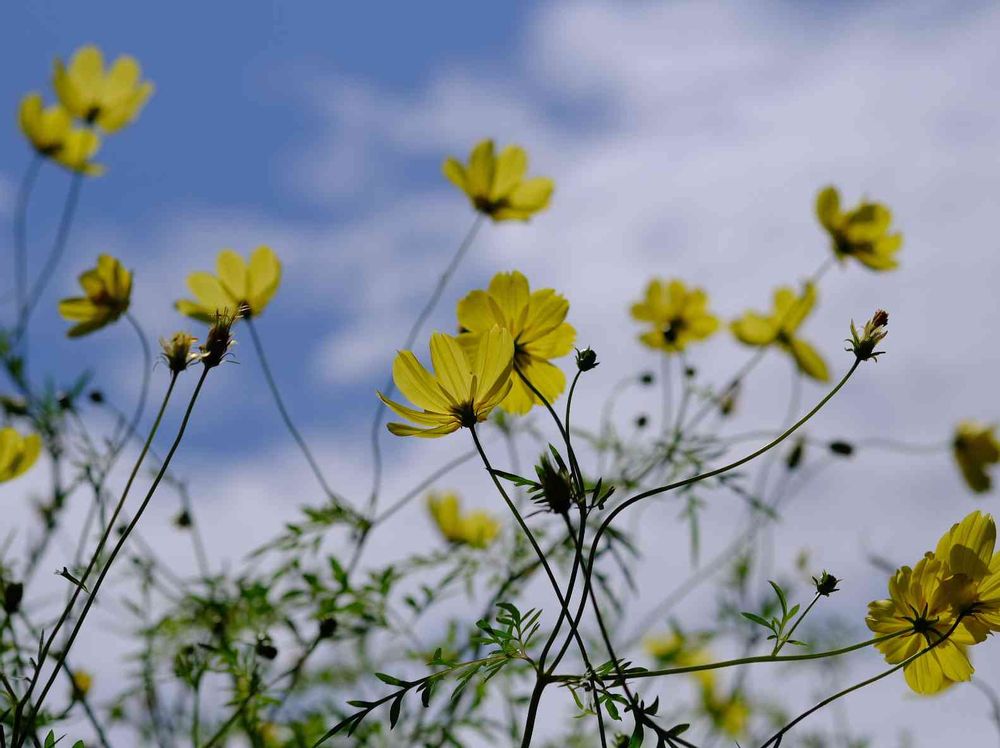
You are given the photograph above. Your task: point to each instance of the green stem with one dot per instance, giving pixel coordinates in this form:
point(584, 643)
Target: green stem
point(123, 539)
point(147, 370)
point(21, 231)
point(94, 558)
point(411, 336)
point(276, 394)
point(787, 637)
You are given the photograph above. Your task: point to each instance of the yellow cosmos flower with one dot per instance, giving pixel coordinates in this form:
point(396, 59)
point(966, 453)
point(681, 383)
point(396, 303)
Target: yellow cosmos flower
point(238, 285)
point(975, 448)
point(82, 682)
point(108, 291)
point(477, 528)
point(971, 574)
point(17, 453)
point(861, 233)
point(535, 321)
point(51, 133)
point(495, 184)
point(465, 387)
point(729, 714)
point(781, 327)
point(679, 316)
point(677, 650)
point(44, 127)
point(109, 98)
point(919, 612)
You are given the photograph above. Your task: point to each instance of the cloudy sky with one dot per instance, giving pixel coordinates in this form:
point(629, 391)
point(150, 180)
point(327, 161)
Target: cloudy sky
point(685, 139)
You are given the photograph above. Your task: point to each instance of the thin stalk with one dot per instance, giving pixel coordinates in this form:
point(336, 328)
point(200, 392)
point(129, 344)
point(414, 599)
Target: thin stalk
point(588, 572)
point(279, 401)
point(411, 336)
point(123, 539)
point(775, 739)
point(21, 231)
point(95, 557)
point(147, 370)
point(55, 254)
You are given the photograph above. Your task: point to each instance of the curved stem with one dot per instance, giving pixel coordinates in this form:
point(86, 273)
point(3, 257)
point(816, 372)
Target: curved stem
point(588, 571)
point(55, 254)
point(276, 394)
point(776, 738)
point(411, 336)
point(740, 661)
point(21, 232)
point(122, 540)
point(147, 371)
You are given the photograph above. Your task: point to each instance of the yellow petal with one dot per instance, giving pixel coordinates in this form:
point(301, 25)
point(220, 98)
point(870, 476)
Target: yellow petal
point(828, 207)
point(455, 173)
point(755, 329)
point(510, 292)
point(264, 278)
point(478, 312)
point(451, 366)
point(809, 361)
point(531, 195)
point(232, 274)
point(479, 176)
point(210, 293)
point(416, 383)
point(511, 166)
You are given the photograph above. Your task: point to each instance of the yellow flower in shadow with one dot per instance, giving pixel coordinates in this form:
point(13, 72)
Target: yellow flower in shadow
point(465, 387)
point(109, 98)
point(971, 574)
point(919, 612)
point(51, 133)
point(679, 316)
point(976, 448)
point(108, 292)
point(495, 183)
point(781, 327)
point(17, 453)
point(477, 529)
point(861, 233)
point(536, 321)
point(237, 286)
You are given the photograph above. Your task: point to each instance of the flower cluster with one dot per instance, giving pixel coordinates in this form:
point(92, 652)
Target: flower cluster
point(476, 529)
point(947, 602)
point(90, 98)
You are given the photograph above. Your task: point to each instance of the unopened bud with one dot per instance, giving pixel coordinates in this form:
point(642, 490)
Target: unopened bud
point(863, 344)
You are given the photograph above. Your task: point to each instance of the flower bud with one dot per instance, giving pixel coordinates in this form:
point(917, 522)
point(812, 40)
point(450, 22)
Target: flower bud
point(266, 649)
point(13, 593)
point(327, 628)
point(826, 584)
point(556, 493)
point(586, 359)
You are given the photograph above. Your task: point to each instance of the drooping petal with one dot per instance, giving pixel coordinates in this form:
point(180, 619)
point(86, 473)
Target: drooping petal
point(808, 360)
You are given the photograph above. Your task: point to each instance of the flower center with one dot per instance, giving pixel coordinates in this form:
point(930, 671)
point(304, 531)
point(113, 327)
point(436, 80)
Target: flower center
point(465, 414)
point(673, 330)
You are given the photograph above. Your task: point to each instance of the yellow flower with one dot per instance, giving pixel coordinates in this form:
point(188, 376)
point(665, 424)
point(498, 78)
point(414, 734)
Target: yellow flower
point(971, 574)
point(676, 650)
point(51, 133)
point(862, 233)
point(109, 98)
point(238, 285)
point(495, 184)
point(781, 328)
point(918, 611)
point(44, 127)
point(17, 453)
point(728, 714)
point(536, 323)
point(108, 289)
point(476, 528)
point(975, 448)
point(82, 681)
point(679, 316)
point(463, 389)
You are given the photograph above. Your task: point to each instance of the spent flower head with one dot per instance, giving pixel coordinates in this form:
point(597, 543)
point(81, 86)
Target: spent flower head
point(219, 340)
point(495, 183)
point(108, 292)
point(177, 353)
point(863, 344)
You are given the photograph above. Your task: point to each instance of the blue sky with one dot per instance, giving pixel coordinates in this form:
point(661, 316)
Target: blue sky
point(686, 139)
